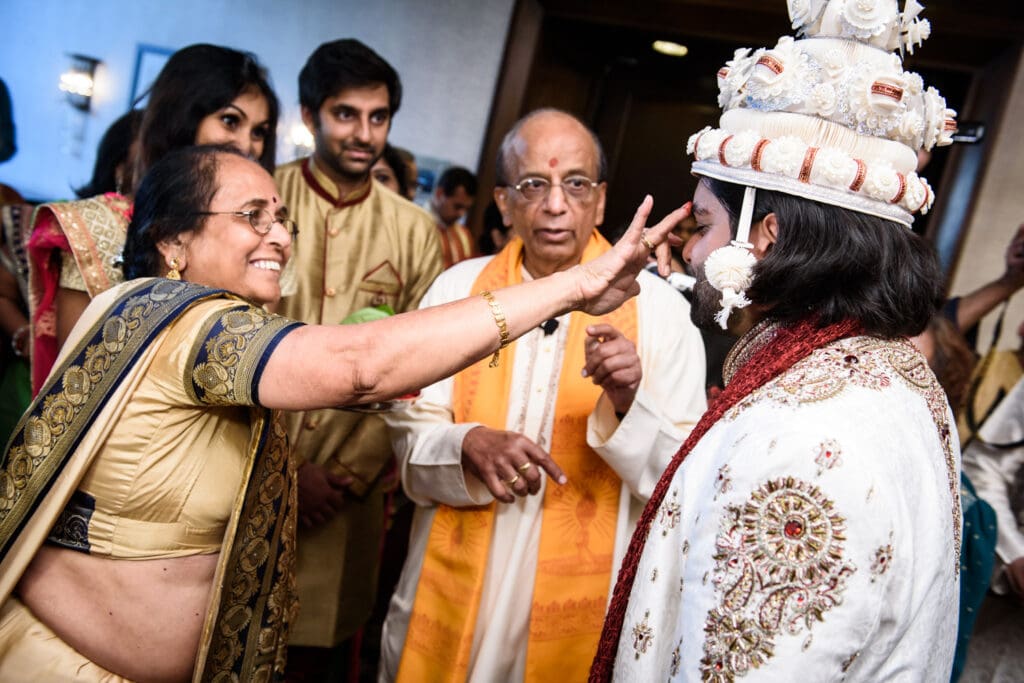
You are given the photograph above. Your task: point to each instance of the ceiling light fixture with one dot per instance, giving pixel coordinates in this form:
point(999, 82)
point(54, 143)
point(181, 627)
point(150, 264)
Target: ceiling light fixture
point(667, 47)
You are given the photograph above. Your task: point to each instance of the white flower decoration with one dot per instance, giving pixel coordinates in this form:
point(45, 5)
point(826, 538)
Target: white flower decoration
point(823, 99)
point(915, 193)
point(691, 143)
point(881, 182)
point(832, 167)
point(784, 155)
point(915, 84)
point(867, 18)
point(946, 134)
point(834, 62)
point(730, 270)
point(799, 12)
point(916, 33)
point(910, 128)
point(739, 149)
point(707, 146)
point(934, 117)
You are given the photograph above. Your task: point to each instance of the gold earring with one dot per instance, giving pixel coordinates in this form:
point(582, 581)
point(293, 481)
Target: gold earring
point(173, 273)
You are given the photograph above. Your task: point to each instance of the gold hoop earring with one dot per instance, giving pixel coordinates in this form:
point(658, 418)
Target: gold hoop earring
point(173, 273)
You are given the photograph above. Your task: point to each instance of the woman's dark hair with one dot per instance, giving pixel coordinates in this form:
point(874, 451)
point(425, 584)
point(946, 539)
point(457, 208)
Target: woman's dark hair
point(394, 159)
point(492, 221)
point(197, 81)
point(113, 152)
point(168, 203)
point(839, 264)
point(343, 64)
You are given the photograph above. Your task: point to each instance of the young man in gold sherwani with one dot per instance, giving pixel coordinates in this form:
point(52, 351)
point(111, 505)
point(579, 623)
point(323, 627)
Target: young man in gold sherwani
point(359, 246)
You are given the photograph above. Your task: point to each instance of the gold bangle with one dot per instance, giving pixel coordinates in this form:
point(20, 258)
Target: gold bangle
point(499, 319)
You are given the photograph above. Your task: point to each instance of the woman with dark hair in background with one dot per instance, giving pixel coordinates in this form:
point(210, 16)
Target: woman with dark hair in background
point(112, 171)
point(147, 502)
point(391, 172)
point(205, 94)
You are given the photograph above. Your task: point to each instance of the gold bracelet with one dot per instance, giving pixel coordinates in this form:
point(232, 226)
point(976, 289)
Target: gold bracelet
point(499, 319)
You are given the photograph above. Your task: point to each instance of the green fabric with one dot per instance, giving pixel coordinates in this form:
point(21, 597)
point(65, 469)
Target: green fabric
point(976, 562)
point(370, 313)
point(16, 390)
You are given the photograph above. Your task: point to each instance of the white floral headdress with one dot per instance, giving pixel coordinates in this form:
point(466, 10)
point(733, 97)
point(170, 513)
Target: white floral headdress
point(831, 117)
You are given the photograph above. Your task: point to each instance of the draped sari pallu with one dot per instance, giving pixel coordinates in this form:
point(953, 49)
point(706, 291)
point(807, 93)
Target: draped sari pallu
point(574, 564)
point(252, 602)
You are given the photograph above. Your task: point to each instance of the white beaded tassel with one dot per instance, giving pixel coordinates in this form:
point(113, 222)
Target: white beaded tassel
point(730, 269)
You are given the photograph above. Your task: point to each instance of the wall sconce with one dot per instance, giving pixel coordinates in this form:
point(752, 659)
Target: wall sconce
point(77, 81)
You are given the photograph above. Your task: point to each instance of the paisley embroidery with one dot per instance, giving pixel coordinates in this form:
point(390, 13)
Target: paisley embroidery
point(227, 361)
point(779, 567)
point(669, 515)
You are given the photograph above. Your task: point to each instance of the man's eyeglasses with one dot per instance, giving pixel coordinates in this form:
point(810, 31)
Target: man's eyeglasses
point(576, 187)
point(261, 220)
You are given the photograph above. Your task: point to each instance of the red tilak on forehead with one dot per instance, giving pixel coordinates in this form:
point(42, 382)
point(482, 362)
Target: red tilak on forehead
point(553, 161)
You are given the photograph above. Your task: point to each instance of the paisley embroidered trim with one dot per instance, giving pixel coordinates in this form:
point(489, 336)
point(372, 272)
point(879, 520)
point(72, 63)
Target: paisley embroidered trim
point(227, 360)
point(779, 567)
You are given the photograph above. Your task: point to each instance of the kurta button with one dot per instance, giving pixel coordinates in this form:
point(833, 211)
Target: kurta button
point(333, 232)
point(311, 423)
point(330, 291)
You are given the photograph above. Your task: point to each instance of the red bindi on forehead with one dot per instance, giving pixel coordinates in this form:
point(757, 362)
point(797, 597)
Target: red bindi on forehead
point(552, 162)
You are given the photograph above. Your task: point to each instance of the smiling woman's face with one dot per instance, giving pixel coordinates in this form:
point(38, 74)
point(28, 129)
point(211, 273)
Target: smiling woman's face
point(244, 124)
point(226, 252)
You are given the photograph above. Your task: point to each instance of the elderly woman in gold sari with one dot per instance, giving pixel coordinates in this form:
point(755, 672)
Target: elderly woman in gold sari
point(147, 504)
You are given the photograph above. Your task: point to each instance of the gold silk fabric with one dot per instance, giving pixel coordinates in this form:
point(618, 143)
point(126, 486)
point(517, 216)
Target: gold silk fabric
point(95, 229)
point(368, 248)
point(574, 564)
point(456, 244)
point(62, 444)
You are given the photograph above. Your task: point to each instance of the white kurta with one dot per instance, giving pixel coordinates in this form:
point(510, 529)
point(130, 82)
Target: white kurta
point(811, 534)
point(994, 472)
point(668, 403)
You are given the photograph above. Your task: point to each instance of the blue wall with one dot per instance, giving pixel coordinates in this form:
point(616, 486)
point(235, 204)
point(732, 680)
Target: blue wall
point(447, 52)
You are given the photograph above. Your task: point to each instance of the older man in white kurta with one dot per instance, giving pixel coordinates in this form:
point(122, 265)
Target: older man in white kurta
point(524, 618)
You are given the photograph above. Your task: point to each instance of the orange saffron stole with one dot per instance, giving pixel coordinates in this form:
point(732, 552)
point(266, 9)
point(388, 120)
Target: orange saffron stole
point(574, 564)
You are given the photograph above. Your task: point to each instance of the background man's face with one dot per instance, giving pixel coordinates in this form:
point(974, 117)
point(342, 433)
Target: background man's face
point(350, 130)
point(555, 230)
point(451, 208)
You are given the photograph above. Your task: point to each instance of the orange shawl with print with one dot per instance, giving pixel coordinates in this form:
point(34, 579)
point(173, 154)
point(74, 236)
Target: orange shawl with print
point(574, 564)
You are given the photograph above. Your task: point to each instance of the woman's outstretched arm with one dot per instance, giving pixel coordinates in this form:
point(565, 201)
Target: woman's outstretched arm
point(334, 365)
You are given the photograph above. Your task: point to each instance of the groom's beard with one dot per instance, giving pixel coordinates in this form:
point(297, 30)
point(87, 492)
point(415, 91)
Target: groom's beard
point(704, 304)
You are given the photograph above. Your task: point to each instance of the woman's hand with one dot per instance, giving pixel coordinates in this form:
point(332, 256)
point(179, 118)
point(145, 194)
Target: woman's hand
point(610, 279)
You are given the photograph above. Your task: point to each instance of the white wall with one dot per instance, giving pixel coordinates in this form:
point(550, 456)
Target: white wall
point(447, 52)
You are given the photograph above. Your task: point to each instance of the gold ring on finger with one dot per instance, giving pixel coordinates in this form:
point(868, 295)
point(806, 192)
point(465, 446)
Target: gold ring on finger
point(510, 482)
point(525, 466)
point(646, 242)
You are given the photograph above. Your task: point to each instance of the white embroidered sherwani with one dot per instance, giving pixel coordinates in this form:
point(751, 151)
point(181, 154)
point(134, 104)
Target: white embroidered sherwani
point(812, 534)
point(668, 403)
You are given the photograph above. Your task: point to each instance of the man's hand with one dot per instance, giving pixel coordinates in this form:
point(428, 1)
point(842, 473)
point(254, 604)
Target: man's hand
point(506, 462)
point(613, 364)
point(321, 494)
point(1015, 576)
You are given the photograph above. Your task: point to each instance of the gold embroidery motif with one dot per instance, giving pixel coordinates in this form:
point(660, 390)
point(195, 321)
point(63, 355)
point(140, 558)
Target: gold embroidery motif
point(670, 514)
point(225, 360)
point(723, 482)
point(870, 363)
point(779, 568)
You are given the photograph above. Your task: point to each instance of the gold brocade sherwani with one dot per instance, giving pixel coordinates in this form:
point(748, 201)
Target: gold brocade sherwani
point(365, 249)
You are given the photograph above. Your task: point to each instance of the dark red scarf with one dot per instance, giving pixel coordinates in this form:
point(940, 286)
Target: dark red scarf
point(791, 345)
